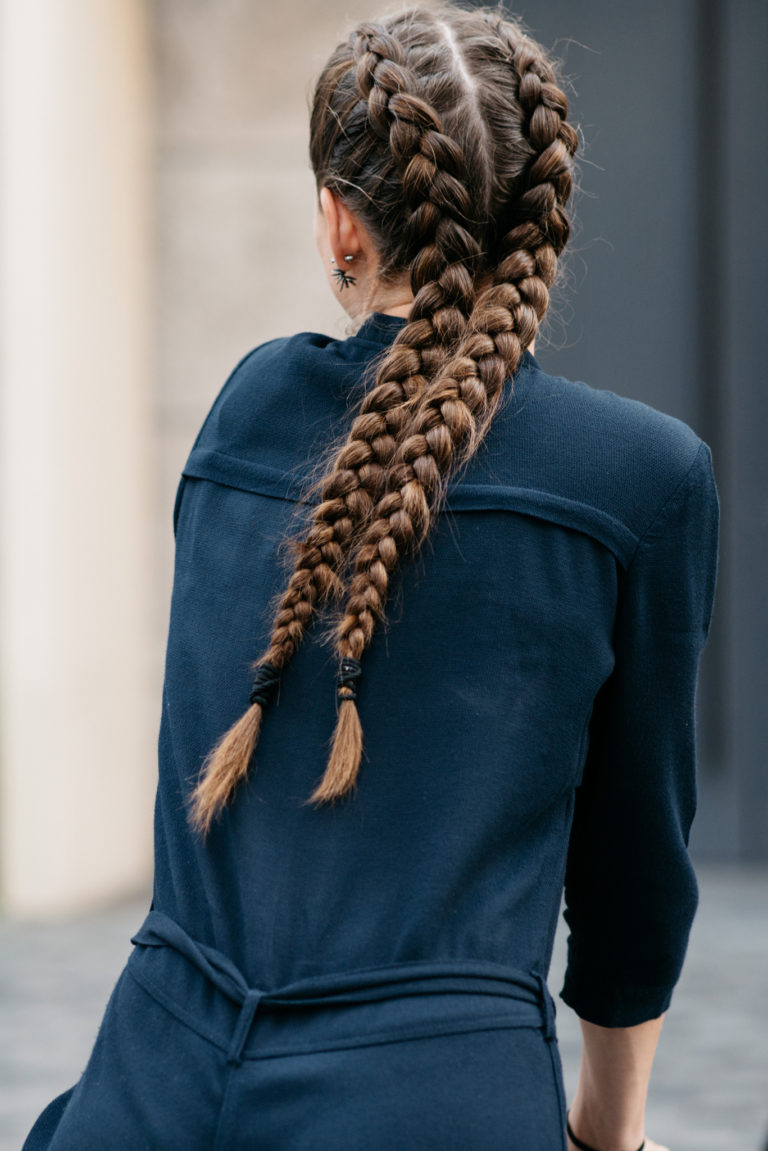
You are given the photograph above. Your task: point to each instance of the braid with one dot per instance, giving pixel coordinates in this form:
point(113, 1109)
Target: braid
point(439, 248)
point(455, 409)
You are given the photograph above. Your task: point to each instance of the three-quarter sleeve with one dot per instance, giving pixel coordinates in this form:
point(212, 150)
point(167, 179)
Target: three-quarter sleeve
point(630, 889)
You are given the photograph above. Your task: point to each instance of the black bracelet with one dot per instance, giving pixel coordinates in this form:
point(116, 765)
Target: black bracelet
point(582, 1146)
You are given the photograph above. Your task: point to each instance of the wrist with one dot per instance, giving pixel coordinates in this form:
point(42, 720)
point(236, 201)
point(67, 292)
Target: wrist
point(595, 1133)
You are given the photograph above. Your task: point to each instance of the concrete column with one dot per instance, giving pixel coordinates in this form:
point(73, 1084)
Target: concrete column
point(77, 724)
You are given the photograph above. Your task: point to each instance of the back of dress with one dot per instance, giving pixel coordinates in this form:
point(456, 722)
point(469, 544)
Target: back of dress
point(538, 663)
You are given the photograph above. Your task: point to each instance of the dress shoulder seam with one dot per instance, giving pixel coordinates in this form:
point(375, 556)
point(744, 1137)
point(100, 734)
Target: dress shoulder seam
point(668, 501)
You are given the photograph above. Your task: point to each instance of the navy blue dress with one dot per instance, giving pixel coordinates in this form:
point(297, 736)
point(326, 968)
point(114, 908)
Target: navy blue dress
point(372, 975)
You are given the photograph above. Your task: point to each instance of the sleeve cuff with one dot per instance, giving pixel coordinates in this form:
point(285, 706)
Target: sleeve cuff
point(608, 1004)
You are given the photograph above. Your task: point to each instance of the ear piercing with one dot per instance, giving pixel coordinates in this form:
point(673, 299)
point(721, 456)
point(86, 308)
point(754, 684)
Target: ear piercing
point(343, 278)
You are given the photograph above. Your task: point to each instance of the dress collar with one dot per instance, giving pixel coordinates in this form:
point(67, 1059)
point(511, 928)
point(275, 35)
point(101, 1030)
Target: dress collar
point(379, 328)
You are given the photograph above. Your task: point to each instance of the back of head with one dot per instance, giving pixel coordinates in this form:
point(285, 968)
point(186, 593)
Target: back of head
point(443, 130)
point(431, 120)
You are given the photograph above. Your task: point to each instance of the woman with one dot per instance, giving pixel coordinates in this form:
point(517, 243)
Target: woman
point(355, 898)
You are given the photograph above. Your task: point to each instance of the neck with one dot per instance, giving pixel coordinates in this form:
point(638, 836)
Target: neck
point(393, 300)
point(403, 310)
point(399, 302)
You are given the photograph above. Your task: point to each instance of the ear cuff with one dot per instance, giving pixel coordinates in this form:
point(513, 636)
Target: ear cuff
point(343, 279)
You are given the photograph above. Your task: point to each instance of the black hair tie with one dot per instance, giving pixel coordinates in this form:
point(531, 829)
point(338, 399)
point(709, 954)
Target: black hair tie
point(585, 1146)
point(349, 673)
point(265, 684)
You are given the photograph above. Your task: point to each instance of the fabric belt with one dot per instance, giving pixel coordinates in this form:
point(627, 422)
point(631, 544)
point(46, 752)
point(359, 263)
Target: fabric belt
point(367, 985)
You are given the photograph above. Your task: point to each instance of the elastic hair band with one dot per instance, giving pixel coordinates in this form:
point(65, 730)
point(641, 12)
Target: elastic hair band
point(265, 684)
point(349, 672)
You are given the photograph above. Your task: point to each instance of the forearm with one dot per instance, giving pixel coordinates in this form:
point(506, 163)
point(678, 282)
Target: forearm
point(608, 1109)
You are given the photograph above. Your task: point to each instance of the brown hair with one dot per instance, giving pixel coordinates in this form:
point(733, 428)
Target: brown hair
point(445, 131)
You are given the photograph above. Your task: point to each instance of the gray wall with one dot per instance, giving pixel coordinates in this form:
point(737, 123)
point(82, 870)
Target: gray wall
point(665, 301)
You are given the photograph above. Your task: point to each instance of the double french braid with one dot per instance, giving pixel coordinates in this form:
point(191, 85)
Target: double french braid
point(371, 127)
point(455, 409)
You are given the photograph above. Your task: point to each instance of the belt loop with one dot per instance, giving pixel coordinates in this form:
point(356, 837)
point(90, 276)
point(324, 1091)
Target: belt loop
point(547, 1007)
point(243, 1026)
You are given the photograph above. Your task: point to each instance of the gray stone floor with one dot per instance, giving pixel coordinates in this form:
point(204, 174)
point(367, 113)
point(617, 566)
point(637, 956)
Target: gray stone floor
point(710, 1084)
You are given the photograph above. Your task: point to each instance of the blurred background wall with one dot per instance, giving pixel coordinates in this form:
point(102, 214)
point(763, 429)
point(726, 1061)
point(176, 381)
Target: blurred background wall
point(156, 209)
point(77, 703)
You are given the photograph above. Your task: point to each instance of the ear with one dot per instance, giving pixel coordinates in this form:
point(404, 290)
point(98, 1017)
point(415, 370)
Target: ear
point(345, 233)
